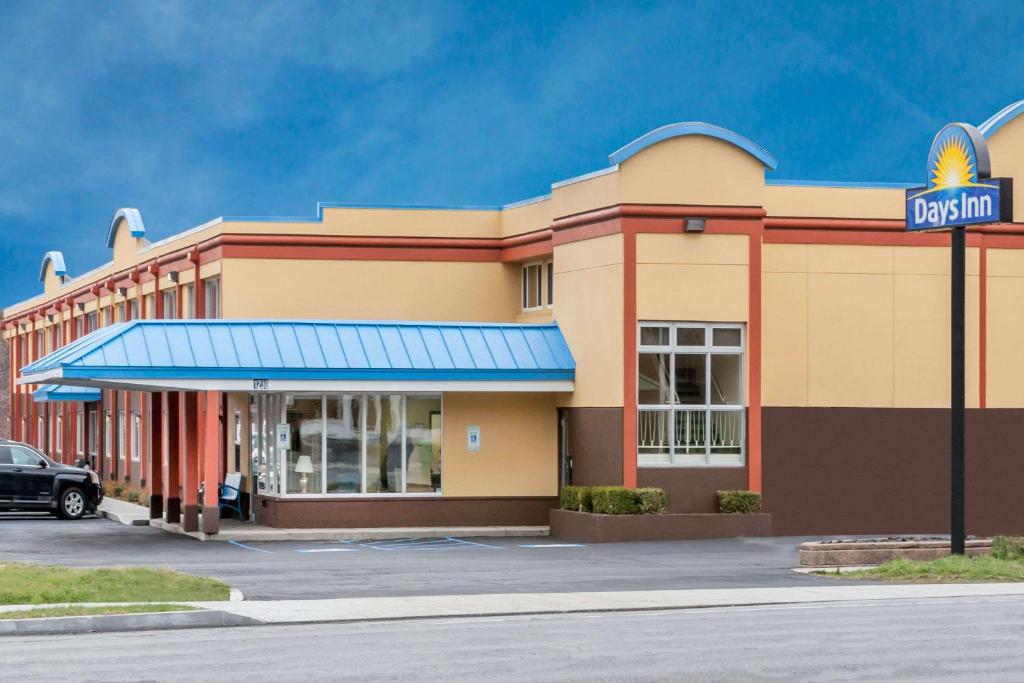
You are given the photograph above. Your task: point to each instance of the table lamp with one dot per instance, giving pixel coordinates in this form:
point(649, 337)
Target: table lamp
point(304, 466)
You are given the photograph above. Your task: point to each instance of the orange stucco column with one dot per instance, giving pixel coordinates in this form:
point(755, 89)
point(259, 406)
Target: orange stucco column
point(210, 453)
point(189, 445)
point(156, 456)
point(172, 453)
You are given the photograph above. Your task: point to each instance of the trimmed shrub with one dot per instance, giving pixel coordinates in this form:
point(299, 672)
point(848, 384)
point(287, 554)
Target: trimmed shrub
point(118, 491)
point(576, 498)
point(133, 496)
point(1008, 547)
point(739, 502)
point(653, 501)
point(616, 500)
point(144, 499)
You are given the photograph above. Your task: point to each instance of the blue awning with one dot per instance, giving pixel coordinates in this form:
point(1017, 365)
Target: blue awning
point(295, 355)
point(59, 392)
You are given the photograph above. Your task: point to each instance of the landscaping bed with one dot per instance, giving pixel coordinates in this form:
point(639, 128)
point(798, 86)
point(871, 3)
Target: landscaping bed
point(613, 514)
point(987, 560)
point(862, 552)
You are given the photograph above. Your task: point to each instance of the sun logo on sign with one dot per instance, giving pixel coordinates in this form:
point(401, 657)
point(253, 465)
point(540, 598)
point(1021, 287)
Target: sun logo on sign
point(953, 166)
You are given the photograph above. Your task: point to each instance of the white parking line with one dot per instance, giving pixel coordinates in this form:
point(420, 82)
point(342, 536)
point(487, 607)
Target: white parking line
point(552, 545)
point(327, 550)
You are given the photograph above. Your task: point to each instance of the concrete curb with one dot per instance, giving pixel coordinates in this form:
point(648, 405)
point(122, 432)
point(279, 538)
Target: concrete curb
point(127, 520)
point(107, 623)
point(268, 534)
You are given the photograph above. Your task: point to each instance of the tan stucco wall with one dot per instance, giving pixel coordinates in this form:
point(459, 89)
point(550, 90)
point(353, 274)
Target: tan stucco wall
point(862, 326)
point(526, 218)
point(834, 202)
point(1006, 152)
point(1005, 308)
point(405, 222)
point(692, 170)
point(518, 445)
point(692, 277)
point(584, 195)
point(588, 308)
point(407, 290)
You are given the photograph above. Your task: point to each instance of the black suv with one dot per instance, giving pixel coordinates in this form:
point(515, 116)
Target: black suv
point(31, 481)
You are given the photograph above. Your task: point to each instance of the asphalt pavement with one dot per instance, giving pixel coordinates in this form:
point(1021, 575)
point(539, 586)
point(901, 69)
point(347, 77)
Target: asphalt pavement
point(955, 639)
point(305, 570)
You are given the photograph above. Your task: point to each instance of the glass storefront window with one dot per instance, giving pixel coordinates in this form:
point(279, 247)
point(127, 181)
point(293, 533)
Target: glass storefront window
point(347, 444)
point(423, 439)
point(384, 444)
point(344, 444)
point(304, 417)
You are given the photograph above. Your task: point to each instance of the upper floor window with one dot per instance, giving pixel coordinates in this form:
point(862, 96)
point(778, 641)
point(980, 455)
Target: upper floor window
point(535, 277)
point(92, 322)
point(211, 287)
point(170, 303)
point(133, 309)
point(188, 302)
point(690, 394)
point(58, 336)
point(79, 326)
point(150, 306)
point(120, 311)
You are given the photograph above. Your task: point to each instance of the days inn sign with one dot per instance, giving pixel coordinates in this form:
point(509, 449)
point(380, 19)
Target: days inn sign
point(960, 189)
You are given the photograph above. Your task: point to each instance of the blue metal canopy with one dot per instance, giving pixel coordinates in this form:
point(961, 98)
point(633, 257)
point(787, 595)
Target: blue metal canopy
point(59, 392)
point(157, 352)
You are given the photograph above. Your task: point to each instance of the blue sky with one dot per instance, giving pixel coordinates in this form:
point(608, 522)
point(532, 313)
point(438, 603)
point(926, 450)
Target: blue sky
point(190, 110)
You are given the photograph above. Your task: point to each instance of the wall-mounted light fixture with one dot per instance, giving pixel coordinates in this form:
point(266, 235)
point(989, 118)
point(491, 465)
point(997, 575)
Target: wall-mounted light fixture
point(49, 317)
point(693, 225)
point(123, 291)
point(80, 306)
point(173, 276)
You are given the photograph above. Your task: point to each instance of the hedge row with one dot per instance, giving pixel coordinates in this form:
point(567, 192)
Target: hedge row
point(739, 502)
point(614, 500)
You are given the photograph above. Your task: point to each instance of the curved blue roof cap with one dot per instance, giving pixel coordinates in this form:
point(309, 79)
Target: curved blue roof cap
point(1001, 118)
point(134, 220)
point(57, 259)
point(676, 130)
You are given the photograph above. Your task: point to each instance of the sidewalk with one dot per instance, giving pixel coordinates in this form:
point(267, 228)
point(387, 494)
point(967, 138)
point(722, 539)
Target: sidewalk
point(347, 610)
point(419, 607)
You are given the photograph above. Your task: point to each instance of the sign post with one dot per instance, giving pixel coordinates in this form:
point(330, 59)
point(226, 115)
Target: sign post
point(959, 192)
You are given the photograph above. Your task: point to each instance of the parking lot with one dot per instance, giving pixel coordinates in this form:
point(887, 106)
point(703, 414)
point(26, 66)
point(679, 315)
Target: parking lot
point(297, 570)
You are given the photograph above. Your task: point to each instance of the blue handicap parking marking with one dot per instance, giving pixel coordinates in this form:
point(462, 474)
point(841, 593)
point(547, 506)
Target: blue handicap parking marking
point(249, 547)
point(445, 543)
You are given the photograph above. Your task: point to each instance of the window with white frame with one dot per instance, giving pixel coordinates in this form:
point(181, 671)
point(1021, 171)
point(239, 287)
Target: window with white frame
point(108, 435)
point(136, 437)
point(40, 433)
point(80, 433)
point(690, 394)
point(211, 289)
point(551, 283)
point(188, 302)
point(538, 286)
point(94, 431)
point(59, 435)
point(170, 303)
point(120, 427)
point(133, 309)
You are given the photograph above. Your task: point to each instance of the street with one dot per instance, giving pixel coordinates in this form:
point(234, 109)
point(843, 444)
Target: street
point(931, 640)
point(305, 570)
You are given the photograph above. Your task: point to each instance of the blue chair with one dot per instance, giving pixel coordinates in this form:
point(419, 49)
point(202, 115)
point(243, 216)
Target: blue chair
point(229, 494)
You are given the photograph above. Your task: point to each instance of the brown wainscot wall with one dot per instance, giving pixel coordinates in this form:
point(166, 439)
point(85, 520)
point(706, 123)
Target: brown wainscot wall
point(404, 512)
point(595, 443)
point(886, 470)
point(590, 528)
point(693, 489)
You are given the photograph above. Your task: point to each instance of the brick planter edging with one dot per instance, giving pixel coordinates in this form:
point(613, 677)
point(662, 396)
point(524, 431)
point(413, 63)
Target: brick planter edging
point(868, 552)
point(593, 528)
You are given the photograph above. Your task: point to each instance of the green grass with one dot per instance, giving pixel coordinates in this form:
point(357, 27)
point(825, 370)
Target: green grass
point(24, 584)
point(951, 569)
point(84, 611)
